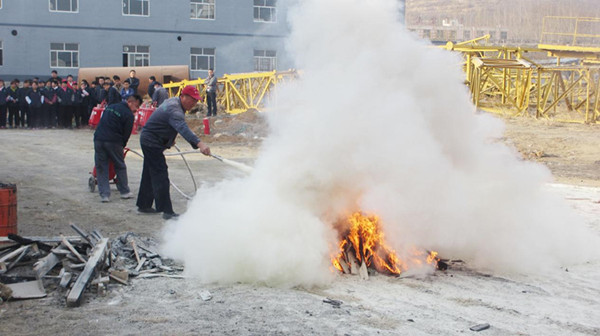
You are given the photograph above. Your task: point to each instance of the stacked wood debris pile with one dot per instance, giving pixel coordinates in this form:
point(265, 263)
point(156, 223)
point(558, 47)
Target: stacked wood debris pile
point(32, 266)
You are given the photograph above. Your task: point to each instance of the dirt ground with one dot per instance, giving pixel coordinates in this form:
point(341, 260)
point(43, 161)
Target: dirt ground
point(570, 150)
point(51, 169)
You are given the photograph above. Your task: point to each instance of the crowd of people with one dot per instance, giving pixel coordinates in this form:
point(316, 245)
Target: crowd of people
point(67, 104)
point(58, 102)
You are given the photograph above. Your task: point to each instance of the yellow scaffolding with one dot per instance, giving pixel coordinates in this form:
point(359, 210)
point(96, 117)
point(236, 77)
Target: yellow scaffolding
point(503, 80)
point(239, 92)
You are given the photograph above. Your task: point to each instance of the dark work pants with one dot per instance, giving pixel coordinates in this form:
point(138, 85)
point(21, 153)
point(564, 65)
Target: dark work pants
point(13, 115)
point(77, 114)
point(154, 186)
point(62, 113)
point(34, 117)
point(85, 116)
point(24, 115)
point(53, 115)
point(103, 153)
point(211, 102)
point(44, 116)
point(65, 116)
point(3, 115)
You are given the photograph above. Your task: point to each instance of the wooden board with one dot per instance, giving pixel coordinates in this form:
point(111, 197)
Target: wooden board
point(27, 290)
point(97, 258)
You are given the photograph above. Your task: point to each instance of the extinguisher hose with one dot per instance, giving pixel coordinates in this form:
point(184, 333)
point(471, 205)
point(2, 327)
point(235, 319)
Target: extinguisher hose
point(186, 164)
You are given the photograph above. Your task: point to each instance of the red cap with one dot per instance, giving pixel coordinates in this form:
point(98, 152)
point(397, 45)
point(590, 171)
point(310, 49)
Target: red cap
point(191, 91)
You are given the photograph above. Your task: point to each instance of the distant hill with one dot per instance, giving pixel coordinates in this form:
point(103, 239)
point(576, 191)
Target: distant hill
point(522, 18)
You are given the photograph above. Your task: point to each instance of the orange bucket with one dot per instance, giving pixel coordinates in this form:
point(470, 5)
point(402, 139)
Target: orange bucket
point(8, 209)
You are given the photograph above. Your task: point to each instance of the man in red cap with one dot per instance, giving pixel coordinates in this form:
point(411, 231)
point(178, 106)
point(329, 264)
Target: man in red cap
point(158, 134)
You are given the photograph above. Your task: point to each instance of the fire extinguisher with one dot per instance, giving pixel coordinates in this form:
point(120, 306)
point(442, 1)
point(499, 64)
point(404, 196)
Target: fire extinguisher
point(206, 123)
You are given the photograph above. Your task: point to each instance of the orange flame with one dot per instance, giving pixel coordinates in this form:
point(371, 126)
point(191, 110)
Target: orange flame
point(366, 241)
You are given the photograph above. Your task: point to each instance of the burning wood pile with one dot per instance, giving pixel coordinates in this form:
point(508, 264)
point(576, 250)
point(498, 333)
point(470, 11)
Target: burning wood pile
point(363, 247)
point(74, 264)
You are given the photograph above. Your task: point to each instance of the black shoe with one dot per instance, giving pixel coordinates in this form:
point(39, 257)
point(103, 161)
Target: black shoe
point(147, 210)
point(172, 215)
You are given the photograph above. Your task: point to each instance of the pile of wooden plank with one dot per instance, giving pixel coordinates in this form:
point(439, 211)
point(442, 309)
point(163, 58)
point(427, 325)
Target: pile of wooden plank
point(76, 264)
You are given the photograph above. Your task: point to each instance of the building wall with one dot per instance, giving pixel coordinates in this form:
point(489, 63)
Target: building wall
point(101, 30)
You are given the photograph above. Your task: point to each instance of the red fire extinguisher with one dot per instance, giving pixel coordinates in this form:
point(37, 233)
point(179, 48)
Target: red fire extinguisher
point(206, 123)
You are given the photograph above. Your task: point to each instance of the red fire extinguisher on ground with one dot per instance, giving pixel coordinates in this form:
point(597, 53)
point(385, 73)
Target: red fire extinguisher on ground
point(206, 123)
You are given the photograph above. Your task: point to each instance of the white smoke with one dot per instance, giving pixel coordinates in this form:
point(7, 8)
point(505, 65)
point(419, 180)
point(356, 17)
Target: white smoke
point(378, 122)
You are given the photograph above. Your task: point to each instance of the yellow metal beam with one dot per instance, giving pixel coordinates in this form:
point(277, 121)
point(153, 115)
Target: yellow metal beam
point(239, 92)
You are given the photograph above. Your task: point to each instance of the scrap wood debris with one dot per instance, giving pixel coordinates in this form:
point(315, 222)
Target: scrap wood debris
point(29, 265)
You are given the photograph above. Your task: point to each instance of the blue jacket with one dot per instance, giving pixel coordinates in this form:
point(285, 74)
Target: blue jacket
point(36, 98)
point(14, 94)
point(126, 94)
point(65, 97)
point(160, 95)
point(115, 125)
point(22, 93)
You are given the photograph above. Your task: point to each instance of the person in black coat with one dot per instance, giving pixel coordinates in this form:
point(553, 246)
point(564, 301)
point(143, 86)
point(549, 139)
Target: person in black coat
point(114, 93)
point(151, 83)
point(23, 105)
point(103, 93)
point(13, 105)
point(34, 99)
point(86, 97)
point(66, 98)
point(77, 103)
point(51, 103)
point(3, 104)
point(100, 90)
point(110, 138)
point(44, 109)
point(134, 82)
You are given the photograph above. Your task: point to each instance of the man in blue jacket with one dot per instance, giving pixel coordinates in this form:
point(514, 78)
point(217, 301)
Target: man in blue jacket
point(158, 134)
point(110, 138)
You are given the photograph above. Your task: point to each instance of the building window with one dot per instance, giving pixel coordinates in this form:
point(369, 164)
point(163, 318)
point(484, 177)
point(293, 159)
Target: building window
point(64, 55)
point(492, 35)
point(135, 7)
point(480, 33)
point(439, 35)
point(452, 35)
point(265, 60)
point(427, 33)
point(504, 36)
point(265, 11)
point(202, 59)
point(202, 9)
point(136, 55)
point(1, 58)
point(466, 34)
point(64, 6)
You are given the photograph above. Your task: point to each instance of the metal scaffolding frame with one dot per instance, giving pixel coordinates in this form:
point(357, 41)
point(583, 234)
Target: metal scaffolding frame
point(239, 92)
point(563, 87)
